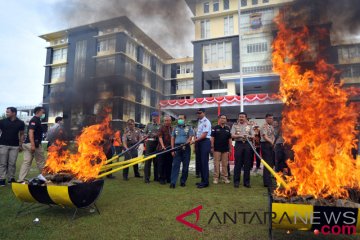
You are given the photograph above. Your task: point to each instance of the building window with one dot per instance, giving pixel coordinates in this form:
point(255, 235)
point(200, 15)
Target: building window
point(146, 78)
point(131, 49)
point(218, 54)
point(254, 2)
point(216, 5)
point(159, 68)
point(228, 25)
point(59, 41)
point(243, 3)
point(147, 59)
point(350, 52)
point(265, 1)
point(206, 7)
point(145, 96)
point(184, 68)
point(128, 110)
point(257, 47)
point(106, 45)
point(59, 55)
point(226, 4)
point(257, 69)
point(58, 73)
point(205, 29)
point(184, 84)
point(105, 66)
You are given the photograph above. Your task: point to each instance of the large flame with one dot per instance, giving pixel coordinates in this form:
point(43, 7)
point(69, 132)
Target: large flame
point(86, 162)
point(317, 120)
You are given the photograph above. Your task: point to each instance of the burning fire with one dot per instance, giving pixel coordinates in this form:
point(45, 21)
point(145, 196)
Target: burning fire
point(86, 163)
point(317, 120)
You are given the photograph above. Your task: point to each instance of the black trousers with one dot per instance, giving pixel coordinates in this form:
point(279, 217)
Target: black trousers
point(280, 157)
point(267, 155)
point(242, 159)
point(151, 148)
point(197, 160)
point(165, 164)
point(129, 155)
point(257, 158)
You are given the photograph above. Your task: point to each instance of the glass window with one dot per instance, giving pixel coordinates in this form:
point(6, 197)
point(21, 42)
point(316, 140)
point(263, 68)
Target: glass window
point(60, 54)
point(131, 49)
point(106, 45)
point(243, 3)
point(216, 5)
point(105, 66)
point(226, 4)
point(206, 7)
point(206, 54)
point(205, 28)
point(228, 55)
point(228, 25)
point(254, 2)
point(178, 69)
point(146, 59)
point(58, 72)
point(265, 1)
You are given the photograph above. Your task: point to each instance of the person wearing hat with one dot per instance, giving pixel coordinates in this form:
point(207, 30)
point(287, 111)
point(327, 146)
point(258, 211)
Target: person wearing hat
point(152, 131)
point(203, 149)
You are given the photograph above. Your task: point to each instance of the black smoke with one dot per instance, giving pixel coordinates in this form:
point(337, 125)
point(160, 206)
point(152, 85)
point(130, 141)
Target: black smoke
point(168, 22)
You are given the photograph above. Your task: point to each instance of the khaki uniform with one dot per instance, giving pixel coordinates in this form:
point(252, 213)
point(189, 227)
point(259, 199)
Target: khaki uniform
point(267, 151)
point(130, 138)
point(243, 152)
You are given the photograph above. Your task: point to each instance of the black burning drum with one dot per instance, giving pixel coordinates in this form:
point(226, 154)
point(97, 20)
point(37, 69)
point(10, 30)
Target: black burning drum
point(76, 196)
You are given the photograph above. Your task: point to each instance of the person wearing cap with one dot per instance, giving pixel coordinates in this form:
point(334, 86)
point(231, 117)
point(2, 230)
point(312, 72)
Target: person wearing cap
point(182, 134)
point(240, 131)
point(203, 149)
point(152, 131)
point(131, 136)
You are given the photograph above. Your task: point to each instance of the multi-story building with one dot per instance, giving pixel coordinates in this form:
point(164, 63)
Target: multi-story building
point(217, 57)
point(111, 62)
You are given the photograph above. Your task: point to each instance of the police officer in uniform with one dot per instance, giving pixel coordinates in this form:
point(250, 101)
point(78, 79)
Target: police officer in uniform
point(152, 130)
point(131, 136)
point(239, 131)
point(267, 142)
point(181, 134)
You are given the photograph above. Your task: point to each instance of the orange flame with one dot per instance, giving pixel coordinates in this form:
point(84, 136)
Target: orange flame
point(86, 163)
point(318, 122)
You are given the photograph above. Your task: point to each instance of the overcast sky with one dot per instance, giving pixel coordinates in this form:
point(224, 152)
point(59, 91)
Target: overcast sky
point(22, 56)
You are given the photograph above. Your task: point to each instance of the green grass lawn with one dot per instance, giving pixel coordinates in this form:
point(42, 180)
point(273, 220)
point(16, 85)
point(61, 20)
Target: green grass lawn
point(134, 210)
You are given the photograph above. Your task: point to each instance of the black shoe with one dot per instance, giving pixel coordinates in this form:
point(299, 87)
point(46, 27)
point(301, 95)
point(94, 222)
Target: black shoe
point(168, 181)
point(236, 185)
point(162, 182)
point(147, 181)
point(198, 183)
point(2, 183)
point(138, 176)
point(110, 176)
point(266, 186)
point(203, 185)
point(156, 179)
point(182, 184)
point(197, 175)
point(247, 186)
point(125, 178)
point(172, 185)
point(12, 180)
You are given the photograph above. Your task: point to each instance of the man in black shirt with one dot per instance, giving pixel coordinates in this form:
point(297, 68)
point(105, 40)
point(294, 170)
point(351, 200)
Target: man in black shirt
point(11, 139)
point(32, 146)
point(220, 147)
